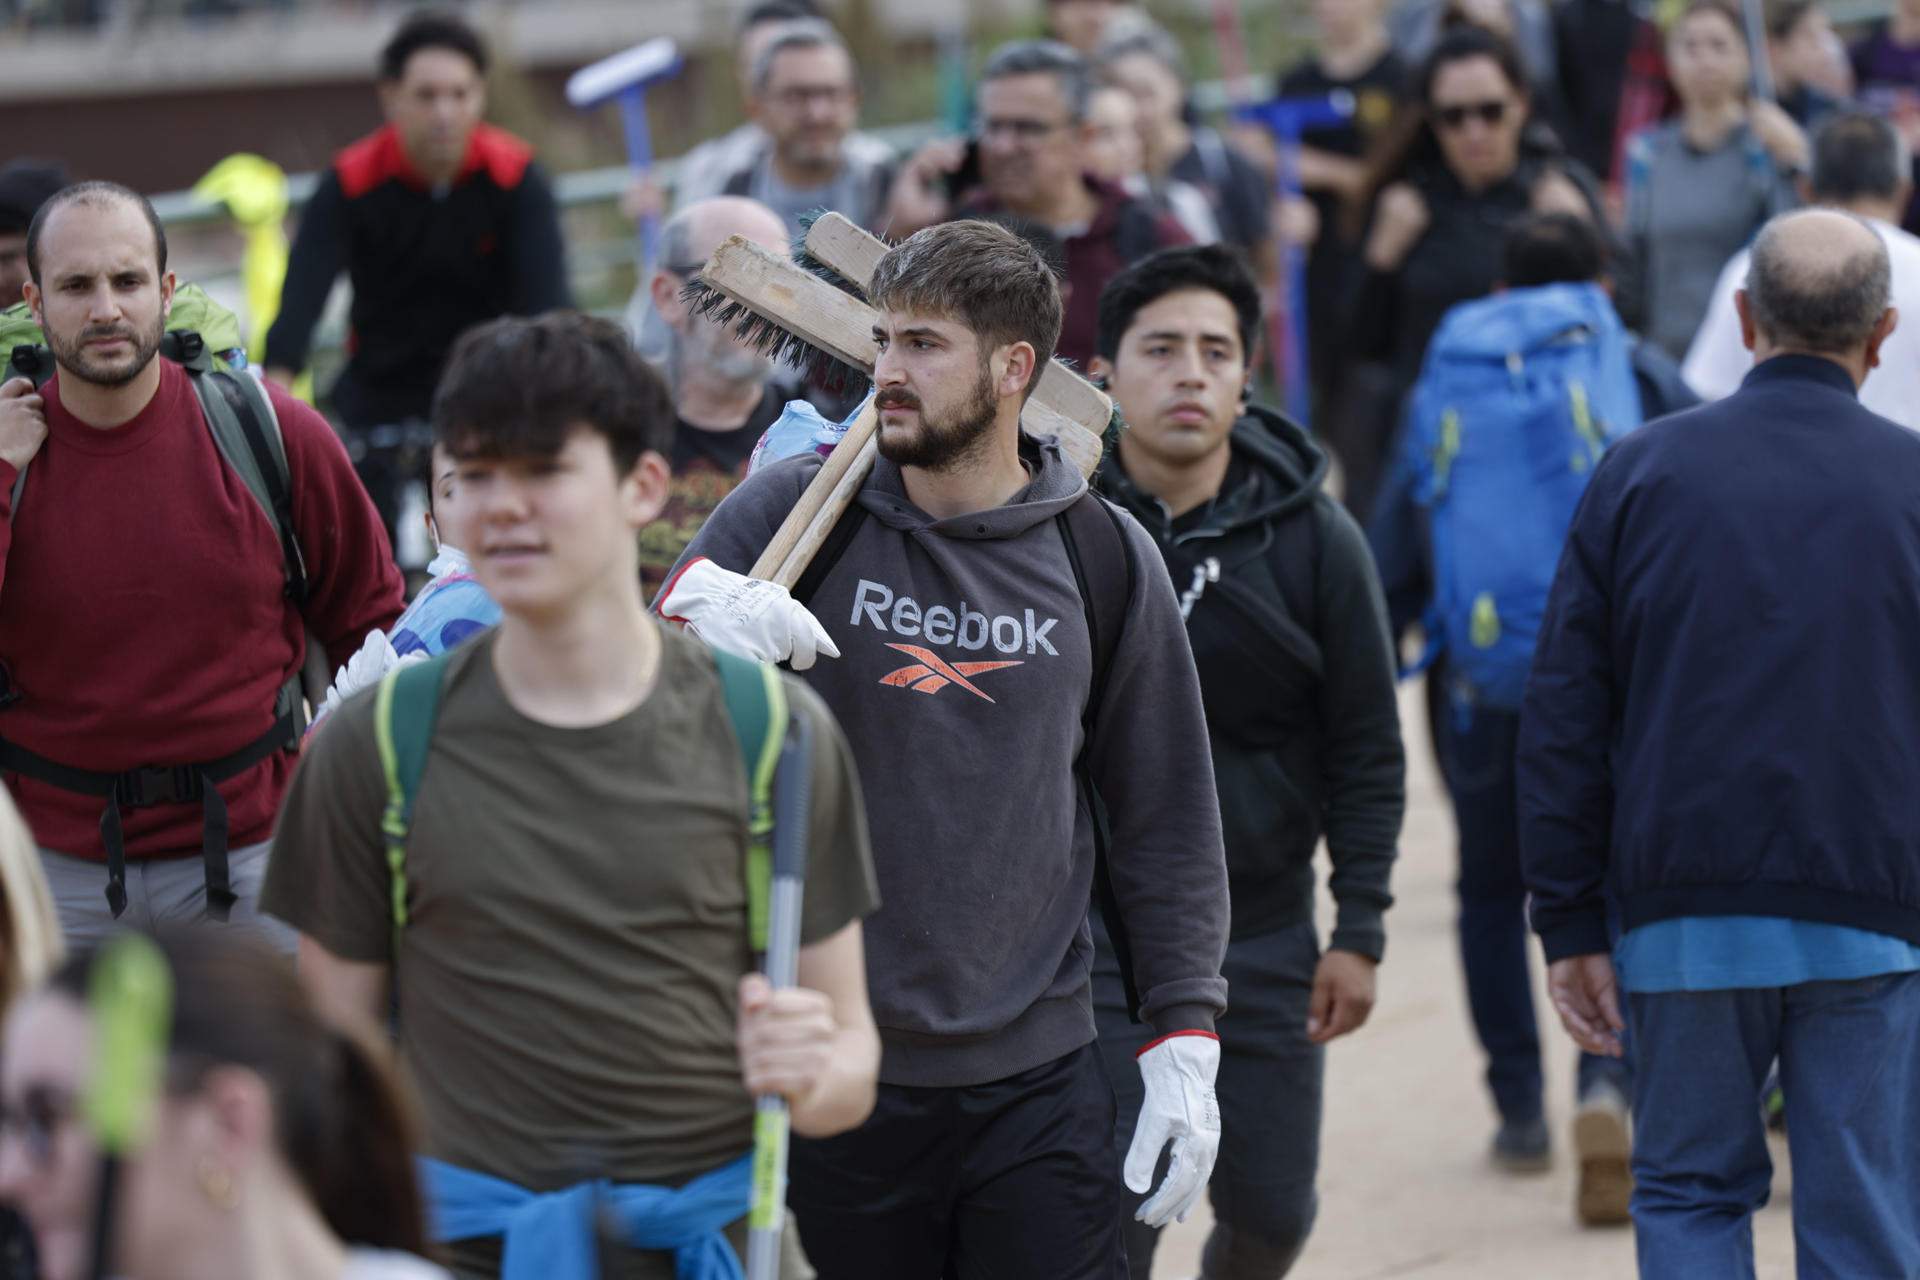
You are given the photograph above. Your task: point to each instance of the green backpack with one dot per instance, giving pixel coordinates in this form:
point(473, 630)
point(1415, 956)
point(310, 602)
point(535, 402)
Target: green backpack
point(200, 332)
point(408, 704)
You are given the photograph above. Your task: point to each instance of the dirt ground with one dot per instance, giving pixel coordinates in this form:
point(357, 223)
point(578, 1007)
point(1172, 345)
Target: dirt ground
point(1406, 1189)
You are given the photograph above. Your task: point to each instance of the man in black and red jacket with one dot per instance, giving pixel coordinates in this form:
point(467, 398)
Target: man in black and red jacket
point(441, 222)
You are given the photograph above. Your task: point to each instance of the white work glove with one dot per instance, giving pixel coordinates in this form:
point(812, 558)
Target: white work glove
point(363, 670)
point(1179, 1106)
point(749, 617)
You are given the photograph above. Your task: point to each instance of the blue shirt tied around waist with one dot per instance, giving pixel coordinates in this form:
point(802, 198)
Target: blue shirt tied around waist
point(1725, 953)
point(549, 1235)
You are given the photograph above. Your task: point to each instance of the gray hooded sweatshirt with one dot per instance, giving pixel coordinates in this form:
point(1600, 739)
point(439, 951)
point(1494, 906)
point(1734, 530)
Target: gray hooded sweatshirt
point(964, 671)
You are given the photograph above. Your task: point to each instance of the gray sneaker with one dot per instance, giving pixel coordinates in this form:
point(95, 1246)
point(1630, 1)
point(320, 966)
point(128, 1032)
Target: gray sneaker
point(1604, 1148)
point(1522, 1146)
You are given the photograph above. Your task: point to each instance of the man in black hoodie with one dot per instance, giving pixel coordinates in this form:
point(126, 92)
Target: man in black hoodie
point(1289, 632)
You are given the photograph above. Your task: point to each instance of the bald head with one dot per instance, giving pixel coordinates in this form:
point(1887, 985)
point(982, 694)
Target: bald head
point(1819, 282)
point(691, 235)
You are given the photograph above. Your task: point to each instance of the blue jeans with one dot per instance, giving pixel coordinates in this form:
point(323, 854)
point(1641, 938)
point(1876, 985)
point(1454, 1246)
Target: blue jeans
point(1850, 1065)
point(1477, 759)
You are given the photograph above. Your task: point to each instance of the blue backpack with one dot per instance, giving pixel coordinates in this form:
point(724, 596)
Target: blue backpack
point(1519, 396)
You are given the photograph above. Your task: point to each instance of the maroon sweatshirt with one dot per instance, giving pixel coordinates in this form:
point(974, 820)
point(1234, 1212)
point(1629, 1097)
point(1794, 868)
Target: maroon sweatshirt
point(143, 616)
point(1124, 230)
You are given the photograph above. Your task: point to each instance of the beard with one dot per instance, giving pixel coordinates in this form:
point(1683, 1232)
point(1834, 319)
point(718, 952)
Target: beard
point(74, 357)
point(942, 440)
point(717, 354)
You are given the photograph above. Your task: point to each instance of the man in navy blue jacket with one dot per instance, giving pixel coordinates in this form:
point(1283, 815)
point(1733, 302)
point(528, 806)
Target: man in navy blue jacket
point(1721, 737)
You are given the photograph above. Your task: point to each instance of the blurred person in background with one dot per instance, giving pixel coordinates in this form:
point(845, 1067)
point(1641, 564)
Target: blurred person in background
point(1860, 167)
point(724, 391)
point(440, 221)
point(280, 1148)
point(1886, 74)
point(1811, 76)
point(30, 947)
point(1417, 27)
point(1083, 24)
point(806, 100)
point(1352, 56)
point(25, 185)
point(1611, 63)
point(1030, 143)
point(1145, 61)
point(1464, 163)
point(1699, 186)
point(703, 171)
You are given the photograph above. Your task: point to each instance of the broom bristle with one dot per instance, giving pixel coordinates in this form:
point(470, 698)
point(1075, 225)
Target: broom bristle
point(768, 338)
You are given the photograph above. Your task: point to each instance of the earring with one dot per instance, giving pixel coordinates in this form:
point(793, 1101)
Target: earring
point(217, 1185)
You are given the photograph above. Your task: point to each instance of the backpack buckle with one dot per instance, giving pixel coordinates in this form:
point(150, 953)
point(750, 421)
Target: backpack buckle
point(137, 788)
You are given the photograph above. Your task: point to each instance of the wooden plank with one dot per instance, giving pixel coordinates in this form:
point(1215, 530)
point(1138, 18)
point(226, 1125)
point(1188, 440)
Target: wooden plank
point(1082, 447)
point(845, 492)
point(846, 247)
point(801, 522)
point(773, 288)
point(1072, 395)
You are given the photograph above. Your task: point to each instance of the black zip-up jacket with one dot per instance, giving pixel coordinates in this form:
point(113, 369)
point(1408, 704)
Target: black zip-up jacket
point(1289, 633)
point(426, 265)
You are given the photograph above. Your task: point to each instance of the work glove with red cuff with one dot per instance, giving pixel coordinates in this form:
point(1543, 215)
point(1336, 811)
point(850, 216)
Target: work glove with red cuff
point(1179, 1107)
point(749, 617)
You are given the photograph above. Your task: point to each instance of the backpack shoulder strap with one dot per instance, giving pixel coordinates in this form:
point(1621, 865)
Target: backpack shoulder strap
point(837, 540)
point(1105, 575)
point(404, 712)
point(246, 430)
point(757, 706)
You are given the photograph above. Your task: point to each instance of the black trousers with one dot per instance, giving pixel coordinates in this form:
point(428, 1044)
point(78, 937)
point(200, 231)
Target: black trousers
point(1013, 1180)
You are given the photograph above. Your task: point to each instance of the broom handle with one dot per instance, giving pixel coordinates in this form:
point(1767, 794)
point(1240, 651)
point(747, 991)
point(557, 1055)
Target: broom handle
point(821, 505)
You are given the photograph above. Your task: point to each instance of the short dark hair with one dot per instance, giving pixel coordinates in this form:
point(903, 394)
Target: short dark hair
point(1212, 267)
point(1724, 9)
point(775, 11)
point(1783, 18)
point(1050, 58)
point(1857, 155)
point(1832, 308)
point(94, 193)
point(517, 387)
point(980, 275)
point(25, 185)
point(431, 29)
point(1553, 248)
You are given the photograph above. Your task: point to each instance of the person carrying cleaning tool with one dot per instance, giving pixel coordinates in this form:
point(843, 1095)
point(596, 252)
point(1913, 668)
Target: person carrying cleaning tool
point(1010, 659)
point(553, 842)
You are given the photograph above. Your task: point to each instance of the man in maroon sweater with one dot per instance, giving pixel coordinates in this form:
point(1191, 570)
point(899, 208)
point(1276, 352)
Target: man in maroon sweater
point(146, 629)
point(1030, 137)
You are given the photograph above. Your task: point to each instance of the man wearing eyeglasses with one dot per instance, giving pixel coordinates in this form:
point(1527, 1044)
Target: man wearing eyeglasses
point(806, 102)
point(723, 391)
point(1030, 135)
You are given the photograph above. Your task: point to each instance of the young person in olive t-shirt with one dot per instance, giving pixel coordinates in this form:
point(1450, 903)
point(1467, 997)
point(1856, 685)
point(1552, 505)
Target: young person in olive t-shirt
point(575, 1002)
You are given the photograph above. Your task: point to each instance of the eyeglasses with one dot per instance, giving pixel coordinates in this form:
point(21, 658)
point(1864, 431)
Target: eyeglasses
point(800, 97)
point(1489, 113)
point(36, 1122)
point(1021, 131)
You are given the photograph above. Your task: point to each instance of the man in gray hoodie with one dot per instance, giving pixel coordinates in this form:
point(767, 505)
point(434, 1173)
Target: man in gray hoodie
point(1014, 676)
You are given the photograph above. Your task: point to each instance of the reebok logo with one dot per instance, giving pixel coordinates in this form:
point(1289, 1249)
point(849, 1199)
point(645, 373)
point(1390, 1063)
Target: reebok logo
point(930, 674)
point(903, 616)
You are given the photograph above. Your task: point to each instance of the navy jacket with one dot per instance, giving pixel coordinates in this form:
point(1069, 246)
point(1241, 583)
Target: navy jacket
point(1723, 716)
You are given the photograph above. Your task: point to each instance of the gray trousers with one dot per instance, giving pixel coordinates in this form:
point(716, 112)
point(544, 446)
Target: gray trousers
point(1269, 1086)
point(160, 891)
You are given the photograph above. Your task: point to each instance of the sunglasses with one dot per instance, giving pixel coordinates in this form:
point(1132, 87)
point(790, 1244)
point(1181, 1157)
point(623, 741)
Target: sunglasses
point(36, 1122)
point(1487, 113)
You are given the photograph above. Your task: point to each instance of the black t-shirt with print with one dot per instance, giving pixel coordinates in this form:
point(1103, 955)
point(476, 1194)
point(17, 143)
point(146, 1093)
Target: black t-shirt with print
point(706, 467)
point(1334, 268)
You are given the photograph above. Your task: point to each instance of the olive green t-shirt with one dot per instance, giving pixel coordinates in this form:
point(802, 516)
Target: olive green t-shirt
point(577, 921)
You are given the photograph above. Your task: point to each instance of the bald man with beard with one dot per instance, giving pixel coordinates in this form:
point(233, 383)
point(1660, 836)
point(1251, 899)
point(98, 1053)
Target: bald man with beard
point(1716, 763)
point(724, 394)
